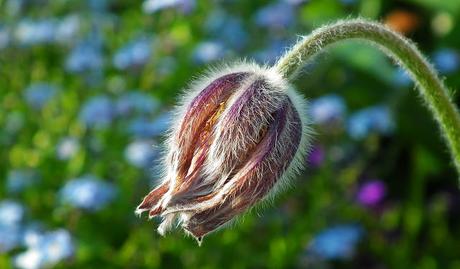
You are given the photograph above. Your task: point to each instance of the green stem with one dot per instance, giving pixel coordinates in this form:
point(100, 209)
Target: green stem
point(430, 86)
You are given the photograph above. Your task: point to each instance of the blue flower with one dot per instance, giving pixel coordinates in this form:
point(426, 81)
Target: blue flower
point(31, 235)
point(4, 37)
point(227, 28)
point(38, 94)
point(140, 153)
point(338, 242)
point(135, 102)
point(98, 112)
point(143, 128)
point(10, 237)
point(135, 54)
point(67, 148)
point(88, 193)
point(17, 180)
point(67, 29)
point(48, 250)
point(85, 56)
point(446, 60)
point(152, 6)
point(272, 52)
point(11, 213)
point(376, 119)
point(279, 15)
point(327, 109)
point(401, 78)
point(30, 32)
point(208, 51)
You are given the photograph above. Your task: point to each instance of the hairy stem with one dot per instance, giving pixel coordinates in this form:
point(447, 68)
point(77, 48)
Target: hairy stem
point(430, 86)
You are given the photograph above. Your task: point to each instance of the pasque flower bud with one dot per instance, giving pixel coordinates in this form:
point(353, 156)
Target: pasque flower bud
point(238, 135)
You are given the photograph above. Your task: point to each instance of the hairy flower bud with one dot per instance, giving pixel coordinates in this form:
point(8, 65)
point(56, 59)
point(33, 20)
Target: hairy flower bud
point(237, 137)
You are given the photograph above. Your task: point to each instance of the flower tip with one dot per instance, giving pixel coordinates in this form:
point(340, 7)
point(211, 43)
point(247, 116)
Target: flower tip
point(138, 212)
point(199, 240)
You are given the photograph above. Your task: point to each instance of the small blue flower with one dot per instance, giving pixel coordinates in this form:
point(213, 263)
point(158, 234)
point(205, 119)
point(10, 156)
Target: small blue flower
point(10, 237)
point(227, 28)
point(67, 28)
point(208, 51)
point(401, 78)
point(279, 15)
point(338, 242)
point(11, 213)
point(272, 52)
point(446, 60)
point(31, 235)
point(152, 6)
point(30, 259)
point(135, 54)
point(97, 112)
point(88, 193)
point(328, 109)
point(140, 153)
point(135, 102)
point(85, 56)
point(38, 94)
point(143, 128)
point(14, 7)
point(29, 32)
point(49, 249)
point(17, 180)
point(296, 2)
point(4, 37)
point(348, 2)
point(376, 119)
point(67, 148)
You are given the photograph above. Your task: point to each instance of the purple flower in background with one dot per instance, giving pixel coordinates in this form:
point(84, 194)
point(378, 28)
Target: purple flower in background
point(316, 156)
point(140, 153)
point(98, 112)
point(89, 193)
point(135, 54)
point(32, 32)
point(337, 242)
point(327, 109)
point(375, 119)
point(279, 16)
point(49, 249)
point(135, 102)
point(371, 193)
point(152, 6)
point(67, 148)
point(208, 51)
point(85, 56)
point(446, 60)
point(17, 180)
point(38, 94)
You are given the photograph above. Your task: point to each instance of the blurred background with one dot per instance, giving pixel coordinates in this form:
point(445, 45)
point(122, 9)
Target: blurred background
point(85, 93)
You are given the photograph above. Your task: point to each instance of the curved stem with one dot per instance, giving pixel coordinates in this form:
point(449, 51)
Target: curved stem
point(430, 86)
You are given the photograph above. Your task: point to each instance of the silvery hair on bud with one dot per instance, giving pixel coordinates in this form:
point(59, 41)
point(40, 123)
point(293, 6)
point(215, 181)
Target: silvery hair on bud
point(216, 164)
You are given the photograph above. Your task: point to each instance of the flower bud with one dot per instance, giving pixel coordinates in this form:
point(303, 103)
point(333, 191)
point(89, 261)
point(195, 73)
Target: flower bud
point(237, 137)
